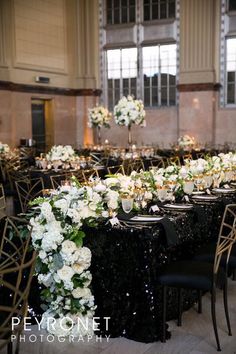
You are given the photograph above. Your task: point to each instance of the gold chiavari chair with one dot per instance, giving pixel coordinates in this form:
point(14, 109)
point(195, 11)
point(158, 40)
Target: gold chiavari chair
point(174, 160)
point(203, 276)
point(136, 165)
point(14, 172)
point(2, 202)
point(187, 157)
point(16, 272)
point(113, 170)
point(27, 190)
point(88, 174)
point(56, 180)
point(157, 163)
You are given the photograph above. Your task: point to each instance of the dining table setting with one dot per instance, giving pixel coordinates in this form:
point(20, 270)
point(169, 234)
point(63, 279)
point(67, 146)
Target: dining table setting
point(133, 226)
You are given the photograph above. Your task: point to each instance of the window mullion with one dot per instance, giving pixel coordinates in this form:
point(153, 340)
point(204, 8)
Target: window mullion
point(121, 75)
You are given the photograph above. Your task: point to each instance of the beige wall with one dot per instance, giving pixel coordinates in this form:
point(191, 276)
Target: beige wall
point(52, 38)
point(16, 121)
point(60, 39)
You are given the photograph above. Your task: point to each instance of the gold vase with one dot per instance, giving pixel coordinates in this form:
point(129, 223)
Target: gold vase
point(99, 136)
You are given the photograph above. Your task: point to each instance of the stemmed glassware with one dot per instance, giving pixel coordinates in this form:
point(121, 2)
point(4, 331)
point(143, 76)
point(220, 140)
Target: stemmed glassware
point(162, 193)
point(127, 203)
point(199, 182)
point(208, 179)
point(188, 186)
point(216, 178)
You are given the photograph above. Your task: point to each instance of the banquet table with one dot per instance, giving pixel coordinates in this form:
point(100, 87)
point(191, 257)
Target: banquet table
point(126, 260)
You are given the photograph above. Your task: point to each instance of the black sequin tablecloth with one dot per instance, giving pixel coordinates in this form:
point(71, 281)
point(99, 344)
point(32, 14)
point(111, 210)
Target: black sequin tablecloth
point(126, 261)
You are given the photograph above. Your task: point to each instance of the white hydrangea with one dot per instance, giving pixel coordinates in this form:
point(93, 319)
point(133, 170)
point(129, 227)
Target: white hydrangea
point(51, 240)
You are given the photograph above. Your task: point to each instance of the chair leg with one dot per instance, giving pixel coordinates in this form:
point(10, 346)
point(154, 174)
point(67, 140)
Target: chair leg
point(164, 289)
point(225, 294)
point(199, 301)
point(10, 348)
point(213, 314)
point(179, 321)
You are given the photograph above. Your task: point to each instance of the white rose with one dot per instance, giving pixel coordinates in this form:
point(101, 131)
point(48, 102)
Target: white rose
point(68, 247)
point(65, 273)
point(81, 292)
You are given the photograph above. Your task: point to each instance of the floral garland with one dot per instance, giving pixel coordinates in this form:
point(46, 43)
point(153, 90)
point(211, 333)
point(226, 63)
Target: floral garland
point(60, 153)
point(129, 111)
point(99, 116)
point(63, 261)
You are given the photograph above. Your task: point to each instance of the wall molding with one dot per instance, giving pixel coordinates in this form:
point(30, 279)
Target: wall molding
point(199, 87)
point(16, 87)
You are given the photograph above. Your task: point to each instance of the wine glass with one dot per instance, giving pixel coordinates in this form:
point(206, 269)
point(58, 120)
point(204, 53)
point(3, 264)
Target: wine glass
point(171, 185)
point(188, 186)
point(208, 180)
point(216, 178)
point(127, 204)
point(199, 182)
point(162, 194)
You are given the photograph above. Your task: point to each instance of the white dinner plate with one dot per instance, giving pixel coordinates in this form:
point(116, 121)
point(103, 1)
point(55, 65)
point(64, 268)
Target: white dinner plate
point(146, 218)
point(224, 190)
point(178, 206)
point(205, 197)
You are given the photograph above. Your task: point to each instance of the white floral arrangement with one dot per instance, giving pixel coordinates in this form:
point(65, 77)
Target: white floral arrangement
point(186, 140)
point(99, 116)
point(4, 148)
point(129, 111)
point(60, 153)
point(63, 262)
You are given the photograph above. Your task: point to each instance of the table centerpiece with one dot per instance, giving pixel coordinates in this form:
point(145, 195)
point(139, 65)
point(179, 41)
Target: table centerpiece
point(129, 111)
point(99, 117)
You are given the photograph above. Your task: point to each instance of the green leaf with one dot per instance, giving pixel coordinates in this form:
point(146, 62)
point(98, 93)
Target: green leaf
point(75, 305)
point(57, 261)
point(77, 237)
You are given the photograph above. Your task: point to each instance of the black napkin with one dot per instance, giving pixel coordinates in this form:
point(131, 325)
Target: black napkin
point(170, 231)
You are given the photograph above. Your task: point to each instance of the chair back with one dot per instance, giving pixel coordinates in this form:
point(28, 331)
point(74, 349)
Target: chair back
point(136, 165)
point(174, 160)
point(57, 179)
point(113, 170)
point(2, 202)
point(157, 163)
point(27, 190)
point(16, 272)
point(227, 236)
point(88, 174)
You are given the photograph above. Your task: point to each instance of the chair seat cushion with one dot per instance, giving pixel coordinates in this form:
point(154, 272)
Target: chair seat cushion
point(207, 254)
point(190, 275)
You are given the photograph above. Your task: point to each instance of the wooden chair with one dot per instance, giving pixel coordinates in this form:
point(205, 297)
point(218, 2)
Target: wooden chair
point(113, 170)
point(16, 272)
point(27, 190)
point(203, 276)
